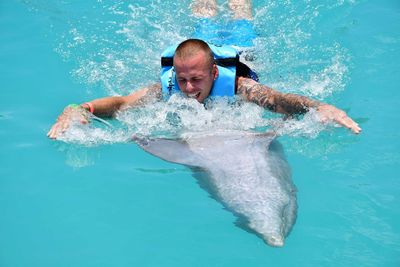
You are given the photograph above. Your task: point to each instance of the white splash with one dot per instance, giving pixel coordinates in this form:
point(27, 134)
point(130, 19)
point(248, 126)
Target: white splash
point(180, 114)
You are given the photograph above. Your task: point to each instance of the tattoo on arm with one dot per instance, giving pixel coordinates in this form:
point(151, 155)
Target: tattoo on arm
point(274, 100)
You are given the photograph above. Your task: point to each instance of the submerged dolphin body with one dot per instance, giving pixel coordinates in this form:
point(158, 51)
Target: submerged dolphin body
point(247, 172)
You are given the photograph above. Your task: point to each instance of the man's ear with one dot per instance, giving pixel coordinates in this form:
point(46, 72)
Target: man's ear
point(215, 71)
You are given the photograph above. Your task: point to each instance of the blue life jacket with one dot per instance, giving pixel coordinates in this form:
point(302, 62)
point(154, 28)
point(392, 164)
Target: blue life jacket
point(226, 59)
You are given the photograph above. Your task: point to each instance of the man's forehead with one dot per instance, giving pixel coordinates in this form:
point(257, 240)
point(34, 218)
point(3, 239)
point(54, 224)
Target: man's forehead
point(195, 60)
point(196, 54)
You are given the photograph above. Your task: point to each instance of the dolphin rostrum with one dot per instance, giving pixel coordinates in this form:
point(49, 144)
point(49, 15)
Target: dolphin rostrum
point(246, 171)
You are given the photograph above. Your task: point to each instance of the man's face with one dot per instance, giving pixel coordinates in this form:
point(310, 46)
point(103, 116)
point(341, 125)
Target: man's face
point(195, 76)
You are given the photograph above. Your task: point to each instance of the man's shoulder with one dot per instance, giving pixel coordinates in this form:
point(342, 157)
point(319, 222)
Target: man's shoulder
point(245, 81)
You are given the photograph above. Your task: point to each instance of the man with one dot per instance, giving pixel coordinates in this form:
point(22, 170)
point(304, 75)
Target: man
point(197, 76)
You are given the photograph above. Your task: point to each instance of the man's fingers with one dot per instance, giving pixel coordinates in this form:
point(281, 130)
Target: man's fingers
point(331, 113)
point(64, 121)
point(49, 134)
point(52, 133)
point(350, 124)
point(58, 128)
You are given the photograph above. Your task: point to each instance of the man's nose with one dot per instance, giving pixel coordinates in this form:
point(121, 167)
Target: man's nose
point(189, 87)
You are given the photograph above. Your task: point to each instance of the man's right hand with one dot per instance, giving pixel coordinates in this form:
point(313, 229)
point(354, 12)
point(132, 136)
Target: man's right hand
point(71, 114)
point(103, 107)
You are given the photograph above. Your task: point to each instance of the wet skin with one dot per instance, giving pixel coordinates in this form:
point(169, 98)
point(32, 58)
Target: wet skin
point(194, 75)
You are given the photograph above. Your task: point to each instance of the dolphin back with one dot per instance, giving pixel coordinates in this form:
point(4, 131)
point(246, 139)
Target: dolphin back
point(247, 172)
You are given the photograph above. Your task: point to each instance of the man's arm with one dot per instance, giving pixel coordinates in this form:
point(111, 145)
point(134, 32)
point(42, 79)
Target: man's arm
point(102, 107)
point(108, 106)
point(291, 104)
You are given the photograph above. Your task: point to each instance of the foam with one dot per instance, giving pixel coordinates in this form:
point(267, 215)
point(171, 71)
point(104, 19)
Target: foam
point(309, 126)
point(180, 114)
point(93, 134)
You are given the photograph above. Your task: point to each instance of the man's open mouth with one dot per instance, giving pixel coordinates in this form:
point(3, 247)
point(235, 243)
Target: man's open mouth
point(195, 95)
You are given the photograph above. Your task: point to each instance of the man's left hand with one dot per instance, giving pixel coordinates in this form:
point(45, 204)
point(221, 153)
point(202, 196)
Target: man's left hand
point(330, 113)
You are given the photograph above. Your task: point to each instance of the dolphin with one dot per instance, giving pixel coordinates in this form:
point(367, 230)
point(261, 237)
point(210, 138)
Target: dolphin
point(246, 171)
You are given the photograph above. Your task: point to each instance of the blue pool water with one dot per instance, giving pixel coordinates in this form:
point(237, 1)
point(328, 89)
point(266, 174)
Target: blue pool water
point(96, 199)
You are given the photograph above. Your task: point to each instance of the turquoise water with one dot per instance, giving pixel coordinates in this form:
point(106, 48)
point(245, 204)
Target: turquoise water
point(95, 199)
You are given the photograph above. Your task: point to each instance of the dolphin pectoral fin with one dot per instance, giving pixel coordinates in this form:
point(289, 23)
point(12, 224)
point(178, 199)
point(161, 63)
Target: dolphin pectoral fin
point(175, 151)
